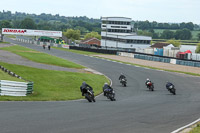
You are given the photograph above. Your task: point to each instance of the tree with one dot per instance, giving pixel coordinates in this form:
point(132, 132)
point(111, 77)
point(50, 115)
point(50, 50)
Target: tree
point(72, 34)
point(174, 26)
point(92, 34)
point(154, 35)
point(176, 43)
point(5, 24)
point(189, 26)
point(198, 35)
point(198, 48)
point(183, 34)
point(167, 34)
point(145, 33)
point(16, 23)
point(28, 23)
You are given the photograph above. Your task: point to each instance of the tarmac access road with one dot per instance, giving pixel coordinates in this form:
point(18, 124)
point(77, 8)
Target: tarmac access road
point(136, 110)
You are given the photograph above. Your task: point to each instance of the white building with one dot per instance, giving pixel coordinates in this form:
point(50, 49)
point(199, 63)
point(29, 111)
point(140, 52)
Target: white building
point(117, 33)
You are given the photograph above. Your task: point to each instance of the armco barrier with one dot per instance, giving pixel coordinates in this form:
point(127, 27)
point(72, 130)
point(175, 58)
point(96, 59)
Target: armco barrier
point(163, 59)
point(188, 63)
point(13, 88)
point(152, 58)
point(94, 50)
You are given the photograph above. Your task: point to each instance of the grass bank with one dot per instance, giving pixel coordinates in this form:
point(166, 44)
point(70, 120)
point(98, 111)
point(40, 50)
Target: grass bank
point(5, 76)
point(40, 57)
point(196, 129)
point(52, 85)
point(4, 42)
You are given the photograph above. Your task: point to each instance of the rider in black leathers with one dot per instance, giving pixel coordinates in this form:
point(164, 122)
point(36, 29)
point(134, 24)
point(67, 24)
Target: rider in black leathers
point(85, 86)
point(122, 76)
point(169, 84)
point(107, 89)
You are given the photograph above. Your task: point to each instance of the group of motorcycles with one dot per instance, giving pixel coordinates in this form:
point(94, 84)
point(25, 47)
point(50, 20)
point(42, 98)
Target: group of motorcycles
point(110, 94)
point(170, 87)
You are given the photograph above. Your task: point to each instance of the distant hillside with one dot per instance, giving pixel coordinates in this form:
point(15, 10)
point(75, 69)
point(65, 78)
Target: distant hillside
point(86, 25)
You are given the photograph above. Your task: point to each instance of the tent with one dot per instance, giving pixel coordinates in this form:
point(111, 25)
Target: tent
point(187, 52)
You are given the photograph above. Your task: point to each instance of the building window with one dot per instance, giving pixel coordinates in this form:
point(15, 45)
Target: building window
point(104, 22)
point(115, 26)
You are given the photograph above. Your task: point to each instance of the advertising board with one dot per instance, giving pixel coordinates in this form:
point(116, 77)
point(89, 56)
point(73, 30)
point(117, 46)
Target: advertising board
point(27, 32)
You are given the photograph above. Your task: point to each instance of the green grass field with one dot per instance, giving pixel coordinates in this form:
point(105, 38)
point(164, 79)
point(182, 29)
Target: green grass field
point(5, 76)
point(196, 129)
point(52, 85)
point(41, 57)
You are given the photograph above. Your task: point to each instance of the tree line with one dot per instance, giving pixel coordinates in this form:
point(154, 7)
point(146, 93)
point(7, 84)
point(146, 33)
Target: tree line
point(86, 25)
point(146, 25)
point(180, 34)
point(49, 22)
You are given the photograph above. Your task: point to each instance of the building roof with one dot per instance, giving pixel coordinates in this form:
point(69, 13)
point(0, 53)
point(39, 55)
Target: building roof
point(159, 45)
point(116, 19)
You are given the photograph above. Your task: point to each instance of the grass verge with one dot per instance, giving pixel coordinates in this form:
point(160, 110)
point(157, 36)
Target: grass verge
point(41, 57)
point(196, 129)
point(77, 51)
point(11, 36)
point(5, 76)
point(194, 74)
point(4, 42)
point(52, 85)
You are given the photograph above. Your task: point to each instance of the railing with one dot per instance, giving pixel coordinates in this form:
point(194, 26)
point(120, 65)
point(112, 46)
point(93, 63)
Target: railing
point(13, 88)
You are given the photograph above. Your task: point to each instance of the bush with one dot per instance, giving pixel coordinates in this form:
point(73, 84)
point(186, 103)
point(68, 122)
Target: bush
point(198, 48)
point(176, 43)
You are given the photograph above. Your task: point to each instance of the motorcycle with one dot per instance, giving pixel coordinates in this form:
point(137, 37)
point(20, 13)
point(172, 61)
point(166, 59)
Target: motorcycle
point(123, 82)
point(110, 95)
point(89, 95)
point(172, 89)
point(150, 85)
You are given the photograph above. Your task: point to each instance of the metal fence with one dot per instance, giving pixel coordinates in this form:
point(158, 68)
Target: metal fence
point(13, 88)
point(152, 58)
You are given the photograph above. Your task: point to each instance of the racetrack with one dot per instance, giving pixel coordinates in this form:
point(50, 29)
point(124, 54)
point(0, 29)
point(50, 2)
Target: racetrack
point(136, 110)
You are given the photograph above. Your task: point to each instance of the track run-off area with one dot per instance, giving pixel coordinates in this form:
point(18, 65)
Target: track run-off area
point(136, 110)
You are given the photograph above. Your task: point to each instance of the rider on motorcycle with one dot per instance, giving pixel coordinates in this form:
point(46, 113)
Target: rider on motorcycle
point(107, 89)
point(147, 82)
point(122, 77)
point(169, 84)
point(85, 86)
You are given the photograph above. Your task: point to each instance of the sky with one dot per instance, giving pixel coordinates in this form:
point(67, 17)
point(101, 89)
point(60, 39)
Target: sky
point(173, 11)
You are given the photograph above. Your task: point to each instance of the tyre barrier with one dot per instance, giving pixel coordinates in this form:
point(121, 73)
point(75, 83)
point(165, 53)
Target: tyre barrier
point(10, 73)
point(13, 88)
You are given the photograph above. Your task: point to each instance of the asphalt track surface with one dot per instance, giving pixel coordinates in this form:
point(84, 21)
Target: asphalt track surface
point(136, 110)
